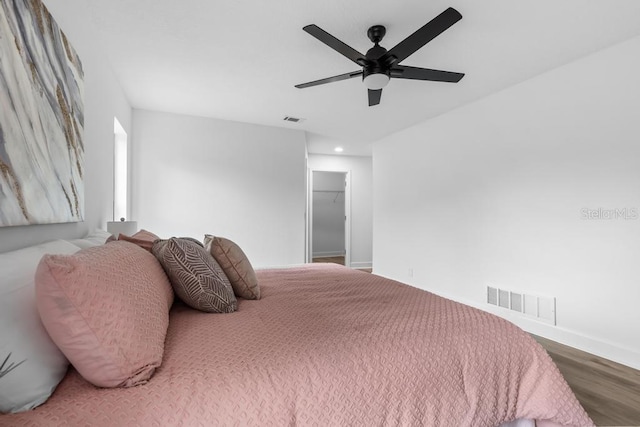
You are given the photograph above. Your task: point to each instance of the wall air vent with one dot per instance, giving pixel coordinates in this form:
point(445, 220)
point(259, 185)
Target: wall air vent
point(293, 119)
point(539, 307)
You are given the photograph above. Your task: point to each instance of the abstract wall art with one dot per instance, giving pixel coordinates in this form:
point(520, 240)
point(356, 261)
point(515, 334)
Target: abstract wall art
point(41, 119)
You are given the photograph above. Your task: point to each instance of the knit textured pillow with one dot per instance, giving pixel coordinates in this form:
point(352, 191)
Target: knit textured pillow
point(107, 309)
point(195, 276)
point(142, 238)
point(235, 265)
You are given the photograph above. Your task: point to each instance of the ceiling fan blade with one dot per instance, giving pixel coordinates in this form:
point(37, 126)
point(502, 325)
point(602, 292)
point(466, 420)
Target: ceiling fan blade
point(374, 97)
point(415, 73)
point(344, 76)
point(424, 35)
point(335, 44)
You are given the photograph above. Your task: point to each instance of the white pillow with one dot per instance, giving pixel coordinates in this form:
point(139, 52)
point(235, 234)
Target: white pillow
point(96, 238)
point(22, 333)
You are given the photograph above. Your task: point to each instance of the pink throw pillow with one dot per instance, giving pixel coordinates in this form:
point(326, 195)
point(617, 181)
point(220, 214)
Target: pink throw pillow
point(107, 309)
point(146, 235)
point(142, 238)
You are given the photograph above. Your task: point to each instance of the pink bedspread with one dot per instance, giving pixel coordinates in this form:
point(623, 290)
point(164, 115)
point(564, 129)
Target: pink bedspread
point(329, 346)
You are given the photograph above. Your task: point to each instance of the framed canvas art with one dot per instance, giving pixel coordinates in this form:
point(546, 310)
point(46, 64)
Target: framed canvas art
point(41, 119)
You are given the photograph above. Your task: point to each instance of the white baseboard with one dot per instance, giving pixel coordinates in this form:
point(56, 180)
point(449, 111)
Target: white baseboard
point(598, 347)
point(358, 265)
point(327, 254)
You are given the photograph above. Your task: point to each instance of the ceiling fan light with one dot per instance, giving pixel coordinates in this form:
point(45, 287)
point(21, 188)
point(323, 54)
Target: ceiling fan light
point(376, 81)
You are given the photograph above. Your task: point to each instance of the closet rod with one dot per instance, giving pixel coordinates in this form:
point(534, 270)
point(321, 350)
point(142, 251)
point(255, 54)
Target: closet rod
point(330, 191)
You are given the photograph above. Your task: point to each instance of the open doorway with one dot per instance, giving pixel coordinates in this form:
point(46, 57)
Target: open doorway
point(329, 222)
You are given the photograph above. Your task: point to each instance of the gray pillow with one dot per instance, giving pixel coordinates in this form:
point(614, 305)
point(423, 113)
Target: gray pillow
point(195, 275)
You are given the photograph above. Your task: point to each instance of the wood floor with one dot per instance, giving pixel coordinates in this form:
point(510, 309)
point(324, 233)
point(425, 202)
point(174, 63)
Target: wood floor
point(608, 391)
point(333, 259)
point(337, 260)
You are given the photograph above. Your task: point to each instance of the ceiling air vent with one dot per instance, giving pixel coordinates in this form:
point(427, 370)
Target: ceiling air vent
point(293, 119)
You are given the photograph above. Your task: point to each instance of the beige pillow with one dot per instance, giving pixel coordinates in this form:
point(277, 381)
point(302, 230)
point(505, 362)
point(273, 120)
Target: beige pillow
point(195, 276)
point(235, 265)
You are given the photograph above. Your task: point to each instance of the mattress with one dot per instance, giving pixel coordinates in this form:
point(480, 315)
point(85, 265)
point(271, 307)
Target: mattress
point(330, 346)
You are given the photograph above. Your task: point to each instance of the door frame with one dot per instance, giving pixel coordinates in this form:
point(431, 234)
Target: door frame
point(347, 213)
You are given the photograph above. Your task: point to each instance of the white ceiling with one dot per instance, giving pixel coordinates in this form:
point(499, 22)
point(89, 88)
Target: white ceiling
point(239, 60)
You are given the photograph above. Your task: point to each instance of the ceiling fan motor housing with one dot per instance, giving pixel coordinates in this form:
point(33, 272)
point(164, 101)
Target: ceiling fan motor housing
point(375, 69)
point(375, 73)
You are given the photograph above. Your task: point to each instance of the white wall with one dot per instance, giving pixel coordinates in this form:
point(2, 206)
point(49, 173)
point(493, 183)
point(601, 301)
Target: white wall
point(245, 182)
point(104, 99)
point(361, 201)
point(328, 214)
point(494, 192)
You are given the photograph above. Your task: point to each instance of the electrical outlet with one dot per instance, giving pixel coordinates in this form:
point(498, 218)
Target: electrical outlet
point(410, 272)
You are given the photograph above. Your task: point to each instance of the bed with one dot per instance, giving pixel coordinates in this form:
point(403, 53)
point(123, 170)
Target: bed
point(329, 346)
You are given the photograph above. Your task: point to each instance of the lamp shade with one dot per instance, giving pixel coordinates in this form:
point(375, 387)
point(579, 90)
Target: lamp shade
point(128, 228)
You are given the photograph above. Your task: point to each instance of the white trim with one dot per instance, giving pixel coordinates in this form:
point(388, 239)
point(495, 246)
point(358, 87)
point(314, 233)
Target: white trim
point(347, 222)
point(327, 254)
point(359, 265)
point(120, 172)
point(308, 253)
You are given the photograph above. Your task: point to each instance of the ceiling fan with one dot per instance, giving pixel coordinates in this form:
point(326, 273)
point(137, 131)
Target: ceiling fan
point(380, 64)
